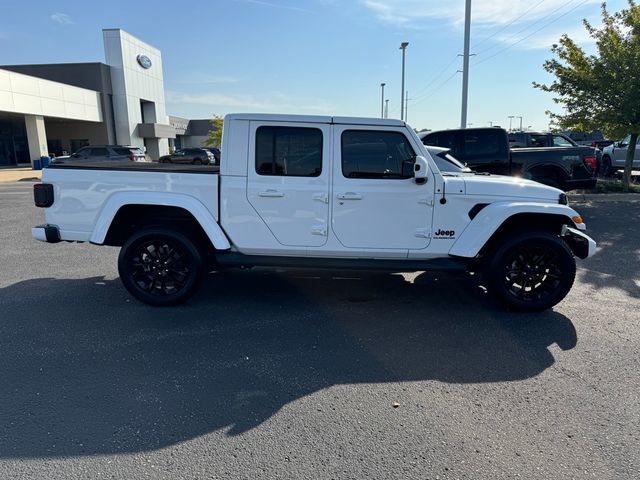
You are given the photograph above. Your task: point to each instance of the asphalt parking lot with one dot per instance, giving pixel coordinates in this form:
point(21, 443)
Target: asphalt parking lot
point(307, 375)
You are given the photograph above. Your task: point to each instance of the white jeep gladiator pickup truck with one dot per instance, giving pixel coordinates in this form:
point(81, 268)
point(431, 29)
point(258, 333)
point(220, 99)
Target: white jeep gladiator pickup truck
point(318, 192)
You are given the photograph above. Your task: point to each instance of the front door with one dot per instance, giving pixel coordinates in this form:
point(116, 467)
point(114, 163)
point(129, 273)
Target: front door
point(288, 180)
point(377, 204)
point(620, 154)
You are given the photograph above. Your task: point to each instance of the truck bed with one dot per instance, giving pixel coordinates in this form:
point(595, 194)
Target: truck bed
point(137, 167)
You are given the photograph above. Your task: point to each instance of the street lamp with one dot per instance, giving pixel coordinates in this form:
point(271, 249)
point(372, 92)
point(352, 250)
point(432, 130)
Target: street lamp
point(386, 108)
point(510, 117)
point(403, 47)
point(382, 101)
point(520, 123)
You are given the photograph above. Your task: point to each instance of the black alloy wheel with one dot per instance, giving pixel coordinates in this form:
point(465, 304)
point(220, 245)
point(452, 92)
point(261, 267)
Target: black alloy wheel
point(532, 271)
point(160, 267)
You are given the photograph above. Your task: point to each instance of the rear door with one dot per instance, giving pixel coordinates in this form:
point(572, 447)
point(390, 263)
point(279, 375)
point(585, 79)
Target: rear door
point(288, 180)
point(485, 150)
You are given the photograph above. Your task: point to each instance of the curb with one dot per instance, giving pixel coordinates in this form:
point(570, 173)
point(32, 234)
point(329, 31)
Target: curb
point(603, 197)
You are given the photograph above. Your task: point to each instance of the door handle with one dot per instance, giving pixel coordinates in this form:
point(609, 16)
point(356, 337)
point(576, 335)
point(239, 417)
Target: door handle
point(349, 196)
point(271, 193)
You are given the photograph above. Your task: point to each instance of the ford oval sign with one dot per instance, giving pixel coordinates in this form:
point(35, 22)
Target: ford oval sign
point(144, 61)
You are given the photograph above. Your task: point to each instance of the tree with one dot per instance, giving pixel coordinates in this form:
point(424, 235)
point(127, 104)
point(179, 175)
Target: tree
point(214, 137)
point(602, 90)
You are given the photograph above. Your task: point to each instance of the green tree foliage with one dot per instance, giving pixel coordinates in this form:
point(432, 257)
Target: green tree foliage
point(214, 138)
point(601, 91)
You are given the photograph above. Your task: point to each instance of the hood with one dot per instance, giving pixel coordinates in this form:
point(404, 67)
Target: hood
point(514, 187)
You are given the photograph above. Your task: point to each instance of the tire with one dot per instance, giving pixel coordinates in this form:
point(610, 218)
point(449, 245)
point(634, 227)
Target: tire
point(197, 161)
point(607, 169)
point(531, 271)
point(140, 266)
point(551, 181)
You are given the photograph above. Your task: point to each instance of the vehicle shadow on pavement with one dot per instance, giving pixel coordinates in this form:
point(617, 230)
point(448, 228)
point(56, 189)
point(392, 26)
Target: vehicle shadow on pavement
point(617, 262)
point(88, 370)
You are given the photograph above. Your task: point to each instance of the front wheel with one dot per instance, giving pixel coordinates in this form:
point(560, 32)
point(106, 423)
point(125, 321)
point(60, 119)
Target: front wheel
point(531, 271)
point(160, 267)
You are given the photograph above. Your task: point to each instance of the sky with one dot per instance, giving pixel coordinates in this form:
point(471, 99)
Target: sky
point(324, 57)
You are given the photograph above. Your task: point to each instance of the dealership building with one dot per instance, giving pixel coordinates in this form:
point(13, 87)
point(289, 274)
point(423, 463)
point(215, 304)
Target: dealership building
point(58, 108)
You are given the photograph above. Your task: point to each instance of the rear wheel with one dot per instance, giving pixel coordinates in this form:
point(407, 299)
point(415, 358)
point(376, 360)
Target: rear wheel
point(197, 161)
point(531, 271)
point(160, 267)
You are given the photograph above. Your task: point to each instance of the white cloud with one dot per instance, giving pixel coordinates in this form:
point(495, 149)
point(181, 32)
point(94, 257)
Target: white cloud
point(275, 102)
point(483, 12)
point(62, 18)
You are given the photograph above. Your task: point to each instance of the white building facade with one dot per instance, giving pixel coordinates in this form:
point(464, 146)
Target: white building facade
point(58, 108)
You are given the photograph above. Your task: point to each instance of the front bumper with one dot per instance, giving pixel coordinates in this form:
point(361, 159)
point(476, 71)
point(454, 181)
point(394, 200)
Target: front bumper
point(583, 246)
point(46, 233)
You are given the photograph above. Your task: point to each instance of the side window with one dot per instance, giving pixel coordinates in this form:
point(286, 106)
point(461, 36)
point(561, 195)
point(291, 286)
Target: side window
point(99, 152)
point(560, 141)
point(484, 144)
point(289, 151)
point(538, 140)
point(376, 154)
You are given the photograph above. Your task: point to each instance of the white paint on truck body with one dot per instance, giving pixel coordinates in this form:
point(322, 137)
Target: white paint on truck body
point(326, 215)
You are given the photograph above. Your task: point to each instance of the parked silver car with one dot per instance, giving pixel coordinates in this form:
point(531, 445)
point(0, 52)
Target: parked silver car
point(614, 156)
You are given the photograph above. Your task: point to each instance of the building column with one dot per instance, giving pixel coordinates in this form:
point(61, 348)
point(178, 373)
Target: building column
point(36, 136)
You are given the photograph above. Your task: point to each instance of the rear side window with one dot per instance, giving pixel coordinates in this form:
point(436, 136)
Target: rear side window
point(483, 144)
point(123, 151)
point(376, 154)
point(99, 152)
point(538, 140)
point(441, 139)
point(289, 151)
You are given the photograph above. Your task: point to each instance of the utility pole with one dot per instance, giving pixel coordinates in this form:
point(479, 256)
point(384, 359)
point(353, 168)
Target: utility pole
point(386, 108)
point(382, 101)
point(403, 47)
point(465, 64)
point(406, 105)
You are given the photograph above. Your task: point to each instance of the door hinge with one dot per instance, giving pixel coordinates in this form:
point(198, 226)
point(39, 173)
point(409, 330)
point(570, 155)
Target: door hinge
point(319, 230)
point(321, 197)
point(422, 233)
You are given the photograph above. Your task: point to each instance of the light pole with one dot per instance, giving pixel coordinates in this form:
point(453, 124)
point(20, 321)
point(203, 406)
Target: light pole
point(403, 47)
point(406, 105)
point(520, 123)
point(382, 101)
point(510, 117)
point(386, 108)
point(465, 64)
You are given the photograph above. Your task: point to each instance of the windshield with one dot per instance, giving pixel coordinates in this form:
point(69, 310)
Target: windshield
point(447, 163)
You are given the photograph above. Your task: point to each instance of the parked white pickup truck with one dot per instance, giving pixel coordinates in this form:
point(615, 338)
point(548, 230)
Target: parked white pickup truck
point(318, 192)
